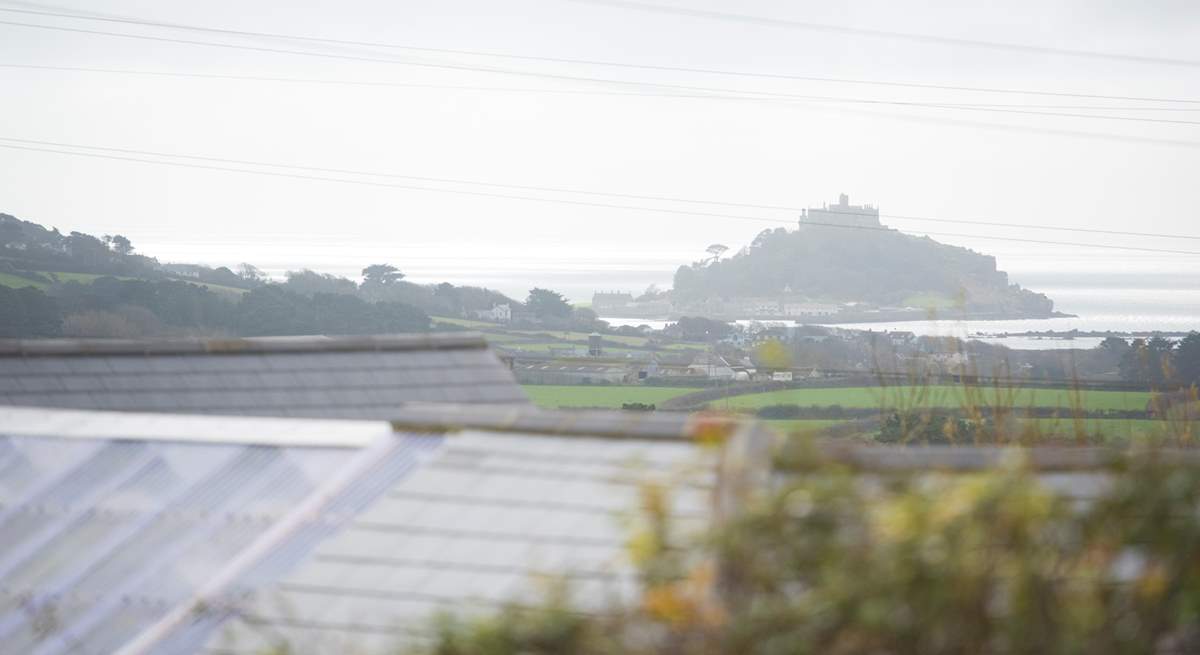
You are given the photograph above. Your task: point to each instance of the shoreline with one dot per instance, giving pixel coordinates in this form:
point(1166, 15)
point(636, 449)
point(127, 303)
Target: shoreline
point(865, 317)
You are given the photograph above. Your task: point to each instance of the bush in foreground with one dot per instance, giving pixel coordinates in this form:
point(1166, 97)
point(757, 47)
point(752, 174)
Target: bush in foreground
point(928, 563)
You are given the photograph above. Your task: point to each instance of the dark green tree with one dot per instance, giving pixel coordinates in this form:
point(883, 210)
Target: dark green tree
point(270, 310)
point(1148, 362)
point(28, 312)
point(273, 310)
point(1110, 352)
point(308, 283)
point(381, 275)
point(697, 328)
point(449, 297)
point(546, 304)
point(119, 244)
point(1187, 359)
point(1161, 351)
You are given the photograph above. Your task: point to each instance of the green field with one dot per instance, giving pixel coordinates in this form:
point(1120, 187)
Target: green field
point(848, 397)
point(547, 395)
point(16, 282)
point(9, 280)
point(544, 340)
point(802, 425)
point(82, 278)
point(556, 396)
point(1113, 429)
point(930, 301)
point(462, 322)
point(500, 337)
point(1108, 429)
point(936, 396)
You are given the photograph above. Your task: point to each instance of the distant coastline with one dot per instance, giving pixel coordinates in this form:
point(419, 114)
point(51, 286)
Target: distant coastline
point(872, 316)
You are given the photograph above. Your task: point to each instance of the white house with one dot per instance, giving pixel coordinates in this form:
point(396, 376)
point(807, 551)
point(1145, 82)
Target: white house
point(809, 309)
point(497, 314)
point(711, 366)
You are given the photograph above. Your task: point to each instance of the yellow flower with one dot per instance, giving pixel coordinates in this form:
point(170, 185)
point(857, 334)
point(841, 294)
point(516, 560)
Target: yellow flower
point(1152, 583)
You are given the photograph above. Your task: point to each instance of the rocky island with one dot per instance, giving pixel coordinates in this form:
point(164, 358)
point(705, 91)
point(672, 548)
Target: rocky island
point(840, 264)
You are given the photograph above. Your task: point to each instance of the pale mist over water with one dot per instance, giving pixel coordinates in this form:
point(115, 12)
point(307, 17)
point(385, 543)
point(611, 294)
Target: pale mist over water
point(1105, 290)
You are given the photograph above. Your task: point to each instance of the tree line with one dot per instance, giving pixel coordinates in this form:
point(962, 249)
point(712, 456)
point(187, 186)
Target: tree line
point(1155, 361)
point(112, 307)
point(306, 302)
point(137, 296)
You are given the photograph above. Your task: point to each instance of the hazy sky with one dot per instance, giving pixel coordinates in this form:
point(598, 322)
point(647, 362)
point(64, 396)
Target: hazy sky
point(919, 161)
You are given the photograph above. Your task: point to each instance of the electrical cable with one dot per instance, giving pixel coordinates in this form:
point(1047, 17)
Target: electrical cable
point(588, 62)
point(419, 85)
point(552, 189)
point(908, 36)
point(573, 78)
point(590, 203)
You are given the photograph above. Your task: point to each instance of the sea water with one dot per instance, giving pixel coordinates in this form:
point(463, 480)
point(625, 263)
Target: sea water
point(1106, 291)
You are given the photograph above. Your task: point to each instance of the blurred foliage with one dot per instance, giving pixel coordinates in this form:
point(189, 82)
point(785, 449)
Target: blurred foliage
point(773, 354)
point(933, 428)
point(547, 630)
point(838, 561)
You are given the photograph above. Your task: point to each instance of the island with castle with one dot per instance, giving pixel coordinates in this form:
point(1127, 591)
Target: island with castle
point(840, 264)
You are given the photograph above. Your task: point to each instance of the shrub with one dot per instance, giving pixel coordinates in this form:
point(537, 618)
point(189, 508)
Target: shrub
point(931, 563)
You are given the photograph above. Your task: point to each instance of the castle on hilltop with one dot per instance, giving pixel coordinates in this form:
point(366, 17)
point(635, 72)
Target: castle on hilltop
point(843, 214)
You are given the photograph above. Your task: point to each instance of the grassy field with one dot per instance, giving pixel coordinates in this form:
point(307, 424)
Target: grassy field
point(1112, 429)
point(935, 396)
point(1108, 429)
point(546, 395)
point(16, 282)
point(563, 396)
point(462, 322)
point(10, 280)
point(82, 278)
point(543, 340)
point(801, 425)
point(506, 339)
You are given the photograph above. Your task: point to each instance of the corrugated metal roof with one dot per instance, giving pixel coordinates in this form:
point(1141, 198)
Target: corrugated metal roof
point(145, 533)
point(326, 377)
point(103, 539)
point(256, 430)
point(480, 523)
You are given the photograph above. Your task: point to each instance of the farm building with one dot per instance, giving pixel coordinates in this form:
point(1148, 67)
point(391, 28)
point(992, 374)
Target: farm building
point(711, 366)
point(500, 313)
point(572, 371)
point(326, 377)
point(611, 301)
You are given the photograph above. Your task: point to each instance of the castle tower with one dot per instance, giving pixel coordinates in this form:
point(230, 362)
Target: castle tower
point(843, 214)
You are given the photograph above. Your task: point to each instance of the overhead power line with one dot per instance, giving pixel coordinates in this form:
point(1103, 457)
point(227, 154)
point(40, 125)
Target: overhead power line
point(887, 34)
point(716, 94)
point(584, 203)
point(747, 94)
point(593, 62)
point(585, 192)
point(459, 87)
